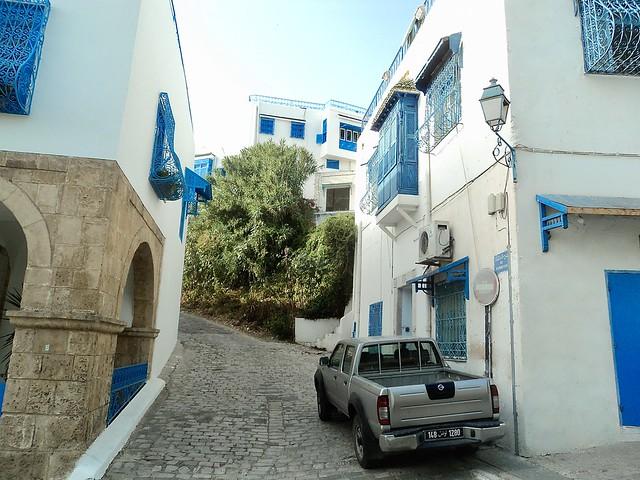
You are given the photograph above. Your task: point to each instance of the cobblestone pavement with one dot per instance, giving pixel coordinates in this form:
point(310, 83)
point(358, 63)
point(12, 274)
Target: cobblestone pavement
point(240, 407)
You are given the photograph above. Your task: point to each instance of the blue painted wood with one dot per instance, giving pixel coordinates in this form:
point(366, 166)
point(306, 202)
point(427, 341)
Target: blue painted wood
point(126, 382)
point(267, 125)
point(197, 190)
point(375, 319)
point(297, 130)
point(457, 271)
point(624, 311)
point(2, 387)
point(22, 26)
point(333, 164)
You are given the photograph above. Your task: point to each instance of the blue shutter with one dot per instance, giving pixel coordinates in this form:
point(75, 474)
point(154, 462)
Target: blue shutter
point(408, 181)
point(297, 130)
point(267, 125)
point(333, 164)
point(375, 319)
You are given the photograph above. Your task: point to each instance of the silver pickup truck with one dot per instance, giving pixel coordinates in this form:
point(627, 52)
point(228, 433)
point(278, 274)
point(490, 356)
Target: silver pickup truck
point(400, 396)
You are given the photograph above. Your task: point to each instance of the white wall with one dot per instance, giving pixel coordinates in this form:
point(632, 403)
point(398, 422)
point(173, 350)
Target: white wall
point(156, 67)
point(566, 114)
point(82, 82)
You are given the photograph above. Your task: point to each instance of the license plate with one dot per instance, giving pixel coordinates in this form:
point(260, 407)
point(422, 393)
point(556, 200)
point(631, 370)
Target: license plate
point(442, 433)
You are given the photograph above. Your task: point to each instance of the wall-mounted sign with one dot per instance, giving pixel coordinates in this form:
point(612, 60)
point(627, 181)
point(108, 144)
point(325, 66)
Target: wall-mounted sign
point(501, 262)
point(486, 286)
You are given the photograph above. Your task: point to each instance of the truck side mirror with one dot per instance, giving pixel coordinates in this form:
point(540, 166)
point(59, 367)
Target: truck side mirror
point(324, 361)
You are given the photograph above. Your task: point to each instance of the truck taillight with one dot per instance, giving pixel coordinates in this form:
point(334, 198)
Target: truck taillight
point(383, 410)
point(495, 399)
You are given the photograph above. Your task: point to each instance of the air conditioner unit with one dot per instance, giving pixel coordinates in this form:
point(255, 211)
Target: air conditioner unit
point(434, 244)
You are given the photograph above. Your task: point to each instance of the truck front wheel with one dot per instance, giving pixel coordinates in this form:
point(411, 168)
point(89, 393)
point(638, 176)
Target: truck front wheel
point(365, 446)
point(325, 409)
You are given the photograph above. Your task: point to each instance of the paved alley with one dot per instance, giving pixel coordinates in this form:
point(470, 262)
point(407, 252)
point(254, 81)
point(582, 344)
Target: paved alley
point(240, 407)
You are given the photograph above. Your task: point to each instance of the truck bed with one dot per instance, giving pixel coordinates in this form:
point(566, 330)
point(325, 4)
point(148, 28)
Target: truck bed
point(421, 378)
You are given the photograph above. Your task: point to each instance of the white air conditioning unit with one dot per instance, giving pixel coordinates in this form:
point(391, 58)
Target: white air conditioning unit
point(434, 244)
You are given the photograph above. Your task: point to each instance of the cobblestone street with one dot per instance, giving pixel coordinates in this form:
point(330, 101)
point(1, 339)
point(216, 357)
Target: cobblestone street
point(240, 407)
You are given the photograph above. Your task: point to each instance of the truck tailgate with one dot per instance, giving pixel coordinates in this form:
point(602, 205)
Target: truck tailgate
point(411, 405)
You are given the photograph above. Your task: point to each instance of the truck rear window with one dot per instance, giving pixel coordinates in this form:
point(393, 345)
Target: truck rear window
point(369, 359)
point(398, 356)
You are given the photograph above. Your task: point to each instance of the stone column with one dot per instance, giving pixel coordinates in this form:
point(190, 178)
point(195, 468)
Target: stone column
point(57, 394)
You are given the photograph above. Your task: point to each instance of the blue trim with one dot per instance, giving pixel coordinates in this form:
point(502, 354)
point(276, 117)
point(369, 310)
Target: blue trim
point(550, 221)
point(424, 282)
point(348, 126)
point(297, 130)
point(165, 175)
point(22, 27)
point(345, 145)
point(322, 137)
point(197, 190)
point(2, 388)
point(267, 125)
point(333, 164)
point(126, 382)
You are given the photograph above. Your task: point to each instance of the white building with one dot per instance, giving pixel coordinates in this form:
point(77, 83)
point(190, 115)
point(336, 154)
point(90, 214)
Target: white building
point(95, 138)
point(561, 341)
point(329, 131)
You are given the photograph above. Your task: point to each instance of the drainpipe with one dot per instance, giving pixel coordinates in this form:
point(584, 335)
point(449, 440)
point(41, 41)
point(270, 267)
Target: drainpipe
point(357, 286)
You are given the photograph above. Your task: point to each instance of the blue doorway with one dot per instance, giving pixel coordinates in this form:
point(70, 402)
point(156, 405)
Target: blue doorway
point(624, 310)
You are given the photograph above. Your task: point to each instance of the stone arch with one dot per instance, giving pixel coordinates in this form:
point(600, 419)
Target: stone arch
point(137, 301)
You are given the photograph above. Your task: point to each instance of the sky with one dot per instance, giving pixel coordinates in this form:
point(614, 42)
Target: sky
point(312, 50)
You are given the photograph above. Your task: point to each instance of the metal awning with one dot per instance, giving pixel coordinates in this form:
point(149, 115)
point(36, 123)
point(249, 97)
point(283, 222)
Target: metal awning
point(563, 205)
point(457, 271)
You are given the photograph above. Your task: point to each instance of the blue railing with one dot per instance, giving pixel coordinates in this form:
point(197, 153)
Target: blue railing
point(22, 25)
point(408, 40)
point(125, 384)
point(303, 104)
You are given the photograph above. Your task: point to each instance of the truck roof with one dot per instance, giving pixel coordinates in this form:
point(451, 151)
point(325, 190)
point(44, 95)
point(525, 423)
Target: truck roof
point(393, 338)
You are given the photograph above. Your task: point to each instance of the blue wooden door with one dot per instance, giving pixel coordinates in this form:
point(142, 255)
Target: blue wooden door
point(375, 319)
point(624, 306)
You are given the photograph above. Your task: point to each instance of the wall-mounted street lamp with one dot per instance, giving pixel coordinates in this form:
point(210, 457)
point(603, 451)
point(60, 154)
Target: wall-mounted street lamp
point(495, 106)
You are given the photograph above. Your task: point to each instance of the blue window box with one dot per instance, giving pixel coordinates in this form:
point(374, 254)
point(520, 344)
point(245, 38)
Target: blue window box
point(267, 125)
point(333, 164)
point(297, 130)
point(166, 175)
point(22, 26)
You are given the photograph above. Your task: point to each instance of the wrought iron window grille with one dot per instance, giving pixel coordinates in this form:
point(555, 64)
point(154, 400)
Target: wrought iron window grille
point(610, 36)
point(451, 320)
point(166, 175)
point(22, 26)
point(126, 382)
point(443, 109)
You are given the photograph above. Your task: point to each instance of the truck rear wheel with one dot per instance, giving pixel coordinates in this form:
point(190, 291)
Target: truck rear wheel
point(365, 446)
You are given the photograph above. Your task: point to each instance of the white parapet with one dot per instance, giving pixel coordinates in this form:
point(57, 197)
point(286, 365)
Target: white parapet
point(310, 332)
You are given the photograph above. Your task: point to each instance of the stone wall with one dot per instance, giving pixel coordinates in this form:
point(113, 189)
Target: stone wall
point(85, 227)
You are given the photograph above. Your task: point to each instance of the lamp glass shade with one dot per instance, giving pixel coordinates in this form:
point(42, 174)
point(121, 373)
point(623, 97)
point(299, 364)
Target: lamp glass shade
point(495, 105)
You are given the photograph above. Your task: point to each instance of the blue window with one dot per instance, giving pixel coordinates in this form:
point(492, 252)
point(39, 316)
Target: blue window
point(322, 137)
point(375, 319)
point(451, 319)
point(349, 135)
point(333, 164)
point(393, 168)
point(203, 166)
point(166, 175)
point(267, 125)
point(22, 25)
point(197, 190)
point(610, 36)
point(297, 130)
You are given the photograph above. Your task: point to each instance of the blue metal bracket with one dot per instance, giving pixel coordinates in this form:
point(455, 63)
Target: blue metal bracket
point(549, 221)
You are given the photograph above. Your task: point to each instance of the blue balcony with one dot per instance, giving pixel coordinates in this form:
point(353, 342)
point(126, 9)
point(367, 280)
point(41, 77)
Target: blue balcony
point(22, 26)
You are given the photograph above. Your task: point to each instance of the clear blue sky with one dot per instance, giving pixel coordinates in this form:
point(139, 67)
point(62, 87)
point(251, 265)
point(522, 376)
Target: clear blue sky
point(306, 49)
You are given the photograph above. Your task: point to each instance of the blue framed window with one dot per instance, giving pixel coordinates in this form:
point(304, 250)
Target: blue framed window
point(322, 137)
point(203, 166)
point(349, 135)
point(267, 125)
point(197, 190)
point(22, 26)
point(610, 36)
point(375, 319)
point(393, 168)
point(166, 175)
point(297, 130)
point(451, 319)
point(333, 164)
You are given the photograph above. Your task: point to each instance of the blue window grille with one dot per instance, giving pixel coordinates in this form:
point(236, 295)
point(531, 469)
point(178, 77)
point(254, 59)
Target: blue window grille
point(322, 137)
point(610, 36)
point(267, 125)
point(166, 175)
point(297, 130)
point(443, 105)
point(349, 135)
point(197, 190)
point(393, 168)
point(451, 319)
point(333, 164)
point(126, 382)
point(375, 319)
point(22, 26)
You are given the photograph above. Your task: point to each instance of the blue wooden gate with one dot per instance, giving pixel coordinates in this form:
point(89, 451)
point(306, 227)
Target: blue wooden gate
point(624, 311)
point(125, 384)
